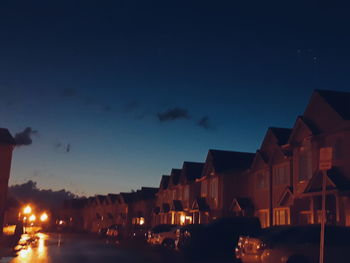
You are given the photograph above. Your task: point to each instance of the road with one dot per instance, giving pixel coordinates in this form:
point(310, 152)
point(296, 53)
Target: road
point(70, 248)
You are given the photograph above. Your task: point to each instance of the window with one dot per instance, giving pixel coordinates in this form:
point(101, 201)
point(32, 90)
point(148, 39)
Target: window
point(263, 216)
point(305, 169)
point(281, 174)
point(186, 195)
point(281, 216)
point(262, 180)
point(214, 190)
point(204, 190)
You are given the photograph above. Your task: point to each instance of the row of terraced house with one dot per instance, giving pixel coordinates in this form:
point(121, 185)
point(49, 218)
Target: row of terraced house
point(280, 183)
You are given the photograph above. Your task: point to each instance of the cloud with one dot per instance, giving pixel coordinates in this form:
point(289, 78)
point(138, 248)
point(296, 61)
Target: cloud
point(107, 108)
point(66, 147)
point(25, 137)
point(205, 123)
point(68, 93)
point(131, 106)
point(173, 114)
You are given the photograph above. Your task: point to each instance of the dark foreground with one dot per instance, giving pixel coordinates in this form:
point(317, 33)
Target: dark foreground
point(71, 248)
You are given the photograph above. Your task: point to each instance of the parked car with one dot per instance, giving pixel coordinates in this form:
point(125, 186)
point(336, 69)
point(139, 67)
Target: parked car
point(139, 233)
point(113, 231)
point(163, 234)
point(223, 234)
point(295, 244)
point(216, 240)
point(188, 238)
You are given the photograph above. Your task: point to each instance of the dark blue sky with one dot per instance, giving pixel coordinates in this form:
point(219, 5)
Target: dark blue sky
point(120, 92)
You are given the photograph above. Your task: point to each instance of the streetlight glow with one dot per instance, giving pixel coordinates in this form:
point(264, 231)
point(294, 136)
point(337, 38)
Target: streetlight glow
point(27, 210)
point(32, 218)
point(44, 217)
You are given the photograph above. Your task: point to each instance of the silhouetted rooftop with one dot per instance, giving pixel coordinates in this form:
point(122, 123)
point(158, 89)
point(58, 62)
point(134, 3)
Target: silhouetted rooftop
point(338, 100)
point(6, 138)
point(175, 176)
point(192, 170)
point(164, 182)
point(224, 161)
point(282, 134)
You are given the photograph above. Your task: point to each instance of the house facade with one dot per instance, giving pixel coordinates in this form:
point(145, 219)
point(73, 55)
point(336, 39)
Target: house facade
point(325, 123)
point(271, 177)
point(223, 180)
point(7, 144)
point(161, 211)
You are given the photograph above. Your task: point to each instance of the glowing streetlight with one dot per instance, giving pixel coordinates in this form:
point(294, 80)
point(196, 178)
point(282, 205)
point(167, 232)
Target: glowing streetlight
point(27, 210)
point(44, 217)
point(32, 218)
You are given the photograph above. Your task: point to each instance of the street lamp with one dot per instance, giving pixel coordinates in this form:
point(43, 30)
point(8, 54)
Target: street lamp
point(32, 218)
point(27, 210)
point(44, 217)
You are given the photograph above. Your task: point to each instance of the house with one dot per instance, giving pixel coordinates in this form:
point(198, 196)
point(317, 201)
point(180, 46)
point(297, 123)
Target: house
point(7, 144)
point(142, 207)
point(325, 123)
point(72, 213)
point(161, 211)
point(223, 181)
point(184, 191)
point(174, 196)
point(271, 179)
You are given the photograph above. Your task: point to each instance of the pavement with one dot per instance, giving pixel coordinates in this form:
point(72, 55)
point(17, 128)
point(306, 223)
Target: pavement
point(75, 248)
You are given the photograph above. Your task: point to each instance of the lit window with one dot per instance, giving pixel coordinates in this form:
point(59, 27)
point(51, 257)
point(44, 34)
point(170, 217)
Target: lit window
point(281, 216)
point(263, 216)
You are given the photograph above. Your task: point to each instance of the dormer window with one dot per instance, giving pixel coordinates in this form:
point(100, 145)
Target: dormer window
point(305, 168)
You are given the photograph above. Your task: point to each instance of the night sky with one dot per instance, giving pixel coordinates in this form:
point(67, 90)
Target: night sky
point(116, 93)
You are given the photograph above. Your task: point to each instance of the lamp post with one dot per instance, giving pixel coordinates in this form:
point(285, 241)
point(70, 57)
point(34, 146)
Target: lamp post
point(26, 211)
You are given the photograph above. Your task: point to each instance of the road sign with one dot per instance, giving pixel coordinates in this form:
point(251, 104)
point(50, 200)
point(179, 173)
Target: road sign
point(326, 155)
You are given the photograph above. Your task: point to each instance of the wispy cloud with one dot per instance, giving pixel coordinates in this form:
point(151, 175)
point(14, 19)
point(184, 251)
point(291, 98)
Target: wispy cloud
point(173, 114)
point(65, 147)
point(131, 106)
point(25, 137)
point(68, 93)
point(205, 123)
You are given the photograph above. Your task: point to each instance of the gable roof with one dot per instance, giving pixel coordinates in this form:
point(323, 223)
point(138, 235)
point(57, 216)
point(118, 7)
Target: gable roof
point(338, 100)
point(302, 122)
point(102, 199)
point(174, 176)
point(335, 180)
point(258, 158)
point(225, 161)
point(286, 198)
point(239, 204)
point(164, 182)
point(6, 138)
point(191, 171)
point(281, 134)
point(146, 193)
point(200, 204)
point(128, 197)
point(113, 198)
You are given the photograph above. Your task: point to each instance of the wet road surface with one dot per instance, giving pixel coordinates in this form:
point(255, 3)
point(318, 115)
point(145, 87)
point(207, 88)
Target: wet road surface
point(70, 248)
